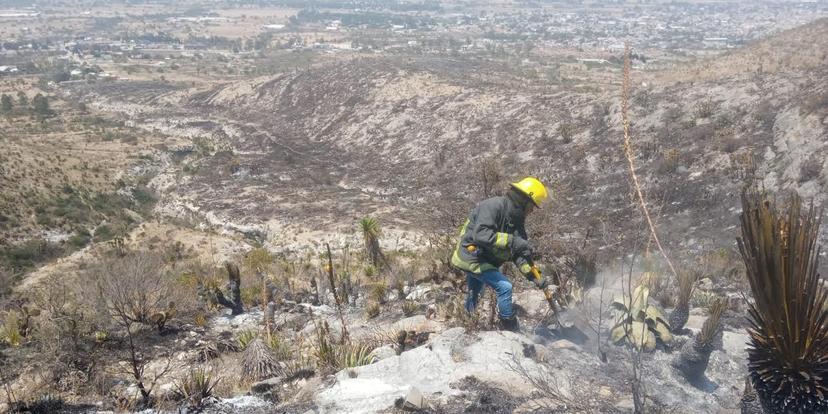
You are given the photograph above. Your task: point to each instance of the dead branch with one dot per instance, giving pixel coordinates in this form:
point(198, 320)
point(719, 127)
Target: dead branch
point(337, 300)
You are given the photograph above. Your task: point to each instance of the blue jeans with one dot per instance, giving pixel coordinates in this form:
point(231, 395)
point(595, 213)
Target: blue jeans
point(497, 281)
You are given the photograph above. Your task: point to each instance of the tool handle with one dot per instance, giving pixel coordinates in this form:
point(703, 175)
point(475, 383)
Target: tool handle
point(546, 292)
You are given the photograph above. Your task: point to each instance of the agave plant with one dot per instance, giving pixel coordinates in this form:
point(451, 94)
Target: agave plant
point(244, 338)
point(695, 354)
point(355, 355)
point(639, 323)
point(196, 386)
point(680, 314)
point(332, 354)
point(370, 234)
point(258, 361)
point(11, 331)
point(788, 349)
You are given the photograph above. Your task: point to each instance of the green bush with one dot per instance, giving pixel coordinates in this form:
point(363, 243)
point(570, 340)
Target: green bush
point(251, 295)
point(410, 307)
point(24, 256)
point(638, 323)
point(10, 330)
point(80, 239)
point(104, 232)
point(144, 197)
point(279, 347)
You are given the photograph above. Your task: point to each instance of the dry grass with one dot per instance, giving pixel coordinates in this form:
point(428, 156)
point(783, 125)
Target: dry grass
point(333, 354)
point(372, 310)
point(410, 307)
point(686, 282)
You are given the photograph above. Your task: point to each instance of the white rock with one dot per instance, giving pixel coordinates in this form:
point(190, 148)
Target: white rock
point(384, 352)
point(419, 292)
point(414, 399)
point(564, 344)
point(448, 357)
point(532, 301)
point(735, 343)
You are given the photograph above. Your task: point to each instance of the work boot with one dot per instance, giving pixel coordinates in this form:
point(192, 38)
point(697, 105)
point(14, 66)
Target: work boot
point(510, 324)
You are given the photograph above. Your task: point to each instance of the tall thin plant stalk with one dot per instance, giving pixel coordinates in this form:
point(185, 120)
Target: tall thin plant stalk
point(630, 155)
point(337, 299)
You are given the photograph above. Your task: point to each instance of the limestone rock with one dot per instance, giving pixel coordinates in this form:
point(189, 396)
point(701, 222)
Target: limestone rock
point(431, 368)
point(384, 352)
point(414, 400)
point(564, 344)
point(419, 292)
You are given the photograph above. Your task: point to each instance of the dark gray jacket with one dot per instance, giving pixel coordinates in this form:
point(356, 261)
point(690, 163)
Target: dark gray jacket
point(495, 231)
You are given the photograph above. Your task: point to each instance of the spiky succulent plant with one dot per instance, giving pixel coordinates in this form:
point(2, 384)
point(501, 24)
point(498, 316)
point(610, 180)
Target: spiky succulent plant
point(694, 356)
point(258, 361)
point(711, 327)
point(370, 228)
point(680, 314)
point(788, 350)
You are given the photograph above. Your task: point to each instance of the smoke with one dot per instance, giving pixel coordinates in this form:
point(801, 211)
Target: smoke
point(587, 323)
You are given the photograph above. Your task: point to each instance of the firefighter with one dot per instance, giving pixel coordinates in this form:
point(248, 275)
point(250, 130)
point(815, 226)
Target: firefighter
point(493, 234)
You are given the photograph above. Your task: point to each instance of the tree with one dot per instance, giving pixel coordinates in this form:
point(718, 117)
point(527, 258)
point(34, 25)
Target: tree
point(6, 103)
point(131, 288)
point(40, 104)
point(491, 176)
point(129, 291)
point(61, 76)
point(22, 99)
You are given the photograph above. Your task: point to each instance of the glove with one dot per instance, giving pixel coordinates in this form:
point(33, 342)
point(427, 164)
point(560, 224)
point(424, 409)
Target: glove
point(520, 247)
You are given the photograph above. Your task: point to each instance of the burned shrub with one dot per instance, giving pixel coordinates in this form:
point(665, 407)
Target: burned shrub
point(694, 356)
point(705, 108)
point(131, 288)
point(810, 168)
point(765, 117)
point(668, 162)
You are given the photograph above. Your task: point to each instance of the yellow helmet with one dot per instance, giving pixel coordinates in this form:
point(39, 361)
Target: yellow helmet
point(533, 189)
